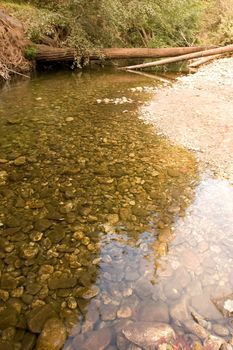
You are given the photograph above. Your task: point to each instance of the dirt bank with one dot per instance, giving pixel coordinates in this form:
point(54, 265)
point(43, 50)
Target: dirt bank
point(197, 112)
point(12, 59)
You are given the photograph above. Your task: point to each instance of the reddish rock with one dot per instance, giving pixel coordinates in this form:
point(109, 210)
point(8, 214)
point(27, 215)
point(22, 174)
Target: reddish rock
point(148, 334)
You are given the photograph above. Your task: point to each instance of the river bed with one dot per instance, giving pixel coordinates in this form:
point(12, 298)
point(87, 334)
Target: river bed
point(104, 224)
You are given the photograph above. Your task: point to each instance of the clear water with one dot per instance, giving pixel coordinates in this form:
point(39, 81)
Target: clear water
point(100, 218)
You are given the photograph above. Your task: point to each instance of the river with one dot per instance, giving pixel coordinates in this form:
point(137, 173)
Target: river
point(104, 223)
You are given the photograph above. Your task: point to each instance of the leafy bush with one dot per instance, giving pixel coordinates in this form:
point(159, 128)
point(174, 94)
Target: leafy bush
point(217, 27)
point(109, 23)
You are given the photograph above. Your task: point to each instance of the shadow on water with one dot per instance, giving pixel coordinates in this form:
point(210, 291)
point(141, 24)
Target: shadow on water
point(100, 222)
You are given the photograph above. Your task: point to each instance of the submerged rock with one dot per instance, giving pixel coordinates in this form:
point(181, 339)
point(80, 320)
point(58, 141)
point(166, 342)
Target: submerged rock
point(214, 343)
point(197, 329)
point(151, 312)
point(8, 318)
point(38, 316)
point(62, 282)
point(147, 334)
point(20, 161)
point(29, 341)
point(99, 339)
point(53, 335)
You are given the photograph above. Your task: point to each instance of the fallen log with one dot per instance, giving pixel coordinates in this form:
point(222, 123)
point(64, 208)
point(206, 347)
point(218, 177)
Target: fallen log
point(46, 53)
point(219, 50)
point(199, 62)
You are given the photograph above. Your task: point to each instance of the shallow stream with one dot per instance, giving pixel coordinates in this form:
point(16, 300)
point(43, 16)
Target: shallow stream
point(103, 222)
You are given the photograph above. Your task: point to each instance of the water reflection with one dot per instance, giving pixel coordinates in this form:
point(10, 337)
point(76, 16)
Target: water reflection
point(94, 223)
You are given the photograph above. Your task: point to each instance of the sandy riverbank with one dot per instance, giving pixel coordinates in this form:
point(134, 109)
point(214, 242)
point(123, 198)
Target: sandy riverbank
point(197, 112)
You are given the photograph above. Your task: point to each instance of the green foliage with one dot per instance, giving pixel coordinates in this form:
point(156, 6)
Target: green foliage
point(217, 26)
point(30, 52)
point(108, 23)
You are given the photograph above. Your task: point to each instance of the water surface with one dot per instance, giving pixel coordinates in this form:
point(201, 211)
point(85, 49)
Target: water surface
point(102, 221)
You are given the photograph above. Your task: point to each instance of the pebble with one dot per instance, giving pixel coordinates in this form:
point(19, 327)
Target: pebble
point(72, 303)
point(20, 161)
point(220, 330)
point(29, 251)
point(90, 293)
point(69, 119)
point(124, 312)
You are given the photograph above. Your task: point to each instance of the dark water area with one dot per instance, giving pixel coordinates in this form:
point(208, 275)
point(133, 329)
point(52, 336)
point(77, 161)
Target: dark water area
point(103, 223)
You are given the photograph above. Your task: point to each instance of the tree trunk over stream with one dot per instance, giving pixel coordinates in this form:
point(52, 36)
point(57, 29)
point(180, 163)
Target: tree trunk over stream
point(211, 52)
point(44, 53)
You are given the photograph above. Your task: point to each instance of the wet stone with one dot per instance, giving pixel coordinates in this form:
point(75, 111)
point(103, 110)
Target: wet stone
point(205, 307)
point(196, 329)
point(62, 282)
point(8, 282)
point(213, 343)
point(90, 293)
point(147, 334)
point(29, 341)
point(121, 342)
point(29, 251)
point(20, 161)
point(220, 330)
point(4, 345)
point(57, 234)
point(108, 312)
point(154, 312)
point(53, 335)
point(33, 288)
point(71, 303)
point(124, 312)
point(42, 225)
point(179, 311)
point(143, 287)
point(99, 339)
point(4, 295)
point(37, 317)
point(113, 219)
point(27, 298)
point(8, 318)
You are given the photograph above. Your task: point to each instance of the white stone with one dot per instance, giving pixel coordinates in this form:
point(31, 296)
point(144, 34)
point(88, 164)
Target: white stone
point(228, 305)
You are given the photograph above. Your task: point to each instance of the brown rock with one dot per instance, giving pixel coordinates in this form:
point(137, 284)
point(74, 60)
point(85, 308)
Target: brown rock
point(8, 318)
point(6, 346)
point(62, 282)
point(38, 316)
point(29, 341)
point(53, 335)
